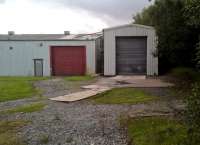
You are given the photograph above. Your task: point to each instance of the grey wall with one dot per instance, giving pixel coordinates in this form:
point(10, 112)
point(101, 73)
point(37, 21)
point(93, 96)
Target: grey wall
point(129, 30)
point(19, 60)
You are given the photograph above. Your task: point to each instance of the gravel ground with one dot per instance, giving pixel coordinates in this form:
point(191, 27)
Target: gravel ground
point(79, 123)
point(58, 87)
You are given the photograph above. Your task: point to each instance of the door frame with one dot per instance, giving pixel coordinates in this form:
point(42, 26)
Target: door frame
point(42, 60)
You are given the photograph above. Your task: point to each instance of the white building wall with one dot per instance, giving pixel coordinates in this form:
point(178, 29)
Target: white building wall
point(129, 30)
point(19, 60)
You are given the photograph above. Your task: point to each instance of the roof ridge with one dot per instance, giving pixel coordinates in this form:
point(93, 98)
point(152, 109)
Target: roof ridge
point(130, 25)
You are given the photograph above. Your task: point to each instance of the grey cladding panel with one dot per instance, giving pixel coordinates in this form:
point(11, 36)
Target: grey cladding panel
point(131, 55)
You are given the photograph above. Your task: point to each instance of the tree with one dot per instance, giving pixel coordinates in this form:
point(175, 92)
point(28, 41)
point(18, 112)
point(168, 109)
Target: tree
point(145, 18)
point(176, 40)
point(192, 12)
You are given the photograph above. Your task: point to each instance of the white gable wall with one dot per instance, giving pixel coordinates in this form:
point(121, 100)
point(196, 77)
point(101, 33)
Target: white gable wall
point(129, 30)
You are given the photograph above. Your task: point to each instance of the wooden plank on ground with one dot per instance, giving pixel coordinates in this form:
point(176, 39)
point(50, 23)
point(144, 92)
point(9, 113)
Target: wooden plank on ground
point(80, 95)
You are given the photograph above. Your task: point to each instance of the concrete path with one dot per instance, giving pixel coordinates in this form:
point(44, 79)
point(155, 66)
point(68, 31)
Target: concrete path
point(107, 83)
point(132, 81)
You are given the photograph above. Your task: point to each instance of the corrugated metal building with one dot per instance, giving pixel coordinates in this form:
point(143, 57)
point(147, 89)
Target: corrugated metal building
point(124, 50)
point(45, 54)
point(130, 50)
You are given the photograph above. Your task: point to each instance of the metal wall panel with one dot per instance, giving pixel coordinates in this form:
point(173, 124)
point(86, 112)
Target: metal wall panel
point(129, 30)
point(16, 57)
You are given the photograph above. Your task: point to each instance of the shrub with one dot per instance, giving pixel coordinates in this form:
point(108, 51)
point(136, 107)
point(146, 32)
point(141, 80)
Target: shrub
point(197, 58)
point(193, 116)
point(184, 73)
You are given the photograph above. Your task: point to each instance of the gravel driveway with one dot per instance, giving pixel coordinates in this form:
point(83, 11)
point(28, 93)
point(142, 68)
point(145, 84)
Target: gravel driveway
point(79, 123)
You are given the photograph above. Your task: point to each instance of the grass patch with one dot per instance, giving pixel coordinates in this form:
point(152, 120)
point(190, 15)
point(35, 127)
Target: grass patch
point(123, 96)
point(155, 131)
point(25, 109)
point(23, 78)
point(79, 78)
point(13, 88)
point(8, 130)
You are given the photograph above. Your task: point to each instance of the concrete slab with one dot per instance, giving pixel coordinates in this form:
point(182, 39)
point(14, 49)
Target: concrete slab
point(139, 77)
point(132, 81)
point(104, 84)
point(93, 87)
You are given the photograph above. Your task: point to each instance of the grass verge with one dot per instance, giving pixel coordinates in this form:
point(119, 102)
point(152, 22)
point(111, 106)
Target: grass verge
point(79, 78)
point(25, 109)
point(123, 96)
point(13, 88)
point(8, 131)
point(154, 131)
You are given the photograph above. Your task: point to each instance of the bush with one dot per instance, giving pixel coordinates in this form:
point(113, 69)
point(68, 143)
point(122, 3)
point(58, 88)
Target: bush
point(197, 59)
point(184, 73)
point(193, 116)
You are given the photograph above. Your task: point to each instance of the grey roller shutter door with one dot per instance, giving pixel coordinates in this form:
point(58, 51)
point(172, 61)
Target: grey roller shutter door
point(131, 55)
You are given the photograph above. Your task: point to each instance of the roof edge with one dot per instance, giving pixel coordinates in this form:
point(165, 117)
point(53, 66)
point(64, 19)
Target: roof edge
point(129, 25)
point(49, 40)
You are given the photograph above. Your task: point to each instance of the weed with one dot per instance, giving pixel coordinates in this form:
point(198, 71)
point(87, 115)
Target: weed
point(44, 139)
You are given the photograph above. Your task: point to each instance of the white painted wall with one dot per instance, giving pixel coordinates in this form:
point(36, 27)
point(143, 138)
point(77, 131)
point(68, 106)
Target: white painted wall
point(129, 30)
point(19, 61)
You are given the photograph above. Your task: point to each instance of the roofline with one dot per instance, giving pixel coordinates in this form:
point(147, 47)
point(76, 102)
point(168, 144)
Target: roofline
point(9, 38)
point(129, 25)
point(51, 40)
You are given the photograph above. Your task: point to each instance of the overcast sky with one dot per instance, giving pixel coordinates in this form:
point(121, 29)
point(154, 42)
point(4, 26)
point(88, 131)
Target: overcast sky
point(55, 16)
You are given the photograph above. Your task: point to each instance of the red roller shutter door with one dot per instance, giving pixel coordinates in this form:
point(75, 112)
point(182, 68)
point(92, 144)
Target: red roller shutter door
point(68, 60)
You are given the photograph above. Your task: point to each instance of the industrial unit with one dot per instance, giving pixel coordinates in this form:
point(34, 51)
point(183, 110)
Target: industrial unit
point(123, 50)
point(130, 50)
